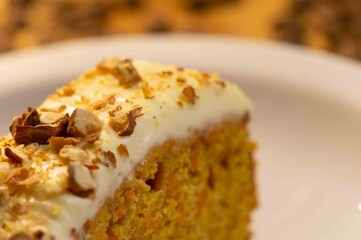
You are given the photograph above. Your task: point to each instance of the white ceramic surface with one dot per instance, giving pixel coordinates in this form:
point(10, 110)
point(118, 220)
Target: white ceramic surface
point(307, 118)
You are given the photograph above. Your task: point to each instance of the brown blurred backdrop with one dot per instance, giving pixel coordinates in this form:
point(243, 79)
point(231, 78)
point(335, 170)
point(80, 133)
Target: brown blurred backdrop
point(334, 25)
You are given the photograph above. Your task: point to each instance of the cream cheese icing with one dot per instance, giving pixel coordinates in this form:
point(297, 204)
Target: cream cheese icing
point(167, 112)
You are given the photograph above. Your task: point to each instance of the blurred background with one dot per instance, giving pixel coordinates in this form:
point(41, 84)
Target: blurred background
point(333, 25)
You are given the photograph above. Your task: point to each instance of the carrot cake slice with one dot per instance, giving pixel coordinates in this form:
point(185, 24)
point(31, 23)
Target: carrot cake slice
point(130, 150)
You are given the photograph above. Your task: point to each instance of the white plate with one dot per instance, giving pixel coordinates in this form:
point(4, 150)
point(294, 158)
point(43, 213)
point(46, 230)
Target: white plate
point(307, 118)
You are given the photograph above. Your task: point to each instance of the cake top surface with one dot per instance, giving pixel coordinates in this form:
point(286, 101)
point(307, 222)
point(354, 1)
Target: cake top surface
point(63, 159)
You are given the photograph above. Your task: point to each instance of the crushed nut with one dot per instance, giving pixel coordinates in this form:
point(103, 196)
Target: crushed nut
point(57, 143)
point(80, 181)
point(189, 94)
point(110, 158)
point(66, 91)
point(30, 118)
point(50, 117)
point(14, 158)
point(103, 103)
point(148, 92)
point(124, 124)
point(126, 73)
point(40, 133)
point(92, 138)
point(115, 110)
point(83, 123)
point(73, 153)
point(123, 150)
point(56, 110)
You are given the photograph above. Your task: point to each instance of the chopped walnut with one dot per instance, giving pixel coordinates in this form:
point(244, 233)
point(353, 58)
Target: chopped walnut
point(66, 91)
point(110, 157)
point(103, 103)
point(124, 124)
point(40, 133)
point(115, 110)
point(80, 180)
point(13, 157)
point(126, 73)
point(55, 110)
point(189, 94)
point(91, 138)
point(73, 153)
point(57, 143)
point(148, 92)
point(50, 117)
point(83, 123)
point(123, 150)
point(30, 118)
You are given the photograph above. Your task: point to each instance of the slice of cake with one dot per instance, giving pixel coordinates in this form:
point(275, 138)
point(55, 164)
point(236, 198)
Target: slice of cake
point(130, 150)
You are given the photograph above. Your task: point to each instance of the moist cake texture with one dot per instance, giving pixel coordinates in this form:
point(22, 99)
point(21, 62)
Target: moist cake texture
point(130, 150)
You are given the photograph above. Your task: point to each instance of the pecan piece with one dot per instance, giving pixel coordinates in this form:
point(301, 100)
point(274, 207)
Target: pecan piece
point(83, 123)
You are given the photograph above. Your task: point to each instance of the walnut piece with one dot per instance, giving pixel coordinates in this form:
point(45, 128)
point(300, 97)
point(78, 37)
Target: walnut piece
point(13, 157)
point(110, 158)
point(50, 117)
point(80, 180)
point(123, 150)
point(57, 143)
point(40, 133)
point(124, 124)
point(189, 94)
point(30, 118)
point(148, 92)
point(83, 123)
point(126, 73)
point(103, 103)
point(73, 153)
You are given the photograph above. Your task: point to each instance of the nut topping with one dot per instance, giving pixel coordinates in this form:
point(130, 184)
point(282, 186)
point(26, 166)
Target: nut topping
point(73, 153)
point(189, 94)
point(50, 117)
point(103, 103)
point(80, 180)
point(148, 92)
point(57, 143)
point(110, 158)
point(30, 118)
point(126, 73)
point(13, 157)
point(124, 124)
point(83, 123)
point(123, 150)
point(40, 133)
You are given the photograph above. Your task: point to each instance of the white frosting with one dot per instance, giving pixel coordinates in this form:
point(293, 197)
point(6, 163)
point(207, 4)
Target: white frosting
point(163, 119)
